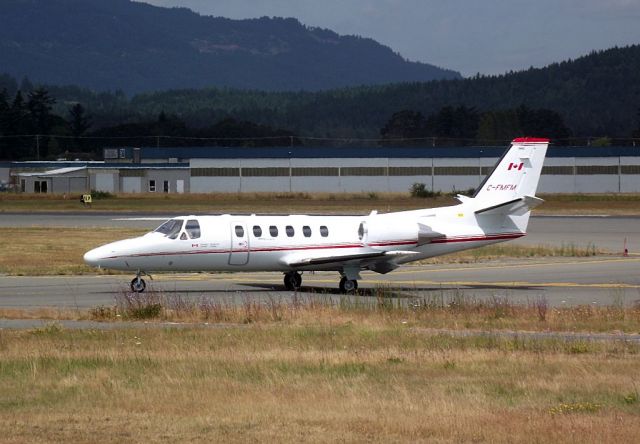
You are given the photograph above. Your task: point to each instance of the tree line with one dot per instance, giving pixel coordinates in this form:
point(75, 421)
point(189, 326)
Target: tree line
point(30, 129)
point(462, 125)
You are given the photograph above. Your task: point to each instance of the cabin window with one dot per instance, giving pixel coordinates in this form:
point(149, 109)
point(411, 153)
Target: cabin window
point(152, 186)
point(239, 231)
point(257, 231)
point(273, 231)
point(306, 230)
point(170, 228)
point(193, 229)
point(290, 231)
point(324, 231)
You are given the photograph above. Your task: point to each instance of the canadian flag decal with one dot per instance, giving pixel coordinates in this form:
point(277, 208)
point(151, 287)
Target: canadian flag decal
point(515, 166)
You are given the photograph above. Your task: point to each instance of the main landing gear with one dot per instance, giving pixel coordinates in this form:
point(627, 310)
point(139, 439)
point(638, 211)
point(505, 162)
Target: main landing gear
point(292, 281)
point(348, 285)
point(138, 285)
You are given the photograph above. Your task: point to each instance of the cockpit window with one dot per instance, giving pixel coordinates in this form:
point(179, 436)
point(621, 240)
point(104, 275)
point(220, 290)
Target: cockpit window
point(170, 228)
point(193, 228)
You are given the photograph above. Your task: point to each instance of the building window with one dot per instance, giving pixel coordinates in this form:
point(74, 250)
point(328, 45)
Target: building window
point(165, 186)
point(152, 186)
point(273, 231)
point(40, 186)
point(324, 231)
point(23, 185)
point(239, 231)
point(306, 230)
point(290, 231)
point(257, 231)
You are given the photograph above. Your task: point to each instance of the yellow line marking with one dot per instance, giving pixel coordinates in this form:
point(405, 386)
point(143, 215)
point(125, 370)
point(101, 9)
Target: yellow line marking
point(417, 283)
point(423, 269)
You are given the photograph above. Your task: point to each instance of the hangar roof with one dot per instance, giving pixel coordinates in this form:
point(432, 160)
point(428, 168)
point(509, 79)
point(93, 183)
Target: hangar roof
point(307, 152)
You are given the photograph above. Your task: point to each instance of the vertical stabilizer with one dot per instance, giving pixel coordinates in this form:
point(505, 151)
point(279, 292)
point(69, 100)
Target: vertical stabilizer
point(517, 173)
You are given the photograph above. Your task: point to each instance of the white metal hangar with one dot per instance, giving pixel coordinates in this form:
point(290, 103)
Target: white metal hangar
point(393, 169)
point(323, 169)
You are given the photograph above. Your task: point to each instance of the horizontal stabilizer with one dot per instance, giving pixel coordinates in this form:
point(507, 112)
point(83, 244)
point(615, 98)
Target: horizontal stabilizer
point(517, 207)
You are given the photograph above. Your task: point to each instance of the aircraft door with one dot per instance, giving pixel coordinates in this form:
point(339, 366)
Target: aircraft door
point(239, 243)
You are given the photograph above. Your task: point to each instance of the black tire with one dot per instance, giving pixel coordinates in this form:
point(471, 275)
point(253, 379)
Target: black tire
point(292, 281)
point(348, 286)
point(138, 285)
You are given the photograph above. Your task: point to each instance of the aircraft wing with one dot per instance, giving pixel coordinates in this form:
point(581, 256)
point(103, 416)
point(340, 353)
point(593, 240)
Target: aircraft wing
point(379, 261)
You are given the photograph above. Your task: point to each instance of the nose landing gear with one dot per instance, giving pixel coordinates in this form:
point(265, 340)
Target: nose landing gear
point(138, 285)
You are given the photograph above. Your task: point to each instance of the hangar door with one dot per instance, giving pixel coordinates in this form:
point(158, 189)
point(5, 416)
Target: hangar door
point(104, 182)
point(131, 184)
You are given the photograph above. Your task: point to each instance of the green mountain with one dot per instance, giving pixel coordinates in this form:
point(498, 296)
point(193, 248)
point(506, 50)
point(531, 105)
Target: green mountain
point(135, 47)
point(597, 95)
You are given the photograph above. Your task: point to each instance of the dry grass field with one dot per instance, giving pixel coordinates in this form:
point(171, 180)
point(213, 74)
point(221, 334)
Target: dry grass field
point(33, 251)
point(299, 203)
point(326, 381)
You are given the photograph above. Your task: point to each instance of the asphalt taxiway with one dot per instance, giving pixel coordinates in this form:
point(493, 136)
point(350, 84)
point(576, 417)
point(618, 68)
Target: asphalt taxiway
point(566, 281)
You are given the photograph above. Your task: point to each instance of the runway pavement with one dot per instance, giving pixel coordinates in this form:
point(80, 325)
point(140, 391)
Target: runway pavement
point(568, 281)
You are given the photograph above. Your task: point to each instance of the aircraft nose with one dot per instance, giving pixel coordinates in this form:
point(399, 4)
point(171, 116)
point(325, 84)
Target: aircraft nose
point(93, 257)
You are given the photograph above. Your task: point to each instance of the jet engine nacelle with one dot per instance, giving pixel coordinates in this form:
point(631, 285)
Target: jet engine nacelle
point(381, 231)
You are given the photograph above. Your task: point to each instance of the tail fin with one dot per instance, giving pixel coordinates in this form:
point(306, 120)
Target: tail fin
point(517, 173)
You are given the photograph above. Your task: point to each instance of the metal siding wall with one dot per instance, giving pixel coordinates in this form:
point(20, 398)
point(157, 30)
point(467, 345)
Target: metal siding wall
point(549, 183)
point(556, 184)
point(630, 183)
point(214, 185)
point(266, 184)
point(597, 183)
point(78, 185)
point(318, 184)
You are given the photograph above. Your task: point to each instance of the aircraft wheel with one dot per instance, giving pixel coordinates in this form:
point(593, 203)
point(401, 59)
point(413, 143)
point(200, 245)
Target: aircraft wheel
point(138, 285)
point(348, 285)
point(292, 281)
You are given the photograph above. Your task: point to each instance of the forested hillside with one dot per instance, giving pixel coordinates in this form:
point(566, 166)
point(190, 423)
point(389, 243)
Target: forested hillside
point(135, 47)
point(596, 95)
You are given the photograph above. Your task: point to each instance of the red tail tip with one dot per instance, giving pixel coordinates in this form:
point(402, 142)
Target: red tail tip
point(530, 140)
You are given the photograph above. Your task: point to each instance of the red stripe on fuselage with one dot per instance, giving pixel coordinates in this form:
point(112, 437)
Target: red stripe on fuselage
point(446, 240)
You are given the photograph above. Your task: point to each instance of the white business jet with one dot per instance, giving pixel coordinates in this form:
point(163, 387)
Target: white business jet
point(498, 211)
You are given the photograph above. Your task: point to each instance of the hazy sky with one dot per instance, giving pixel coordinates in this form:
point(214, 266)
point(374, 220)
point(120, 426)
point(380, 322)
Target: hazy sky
point(470, 36)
